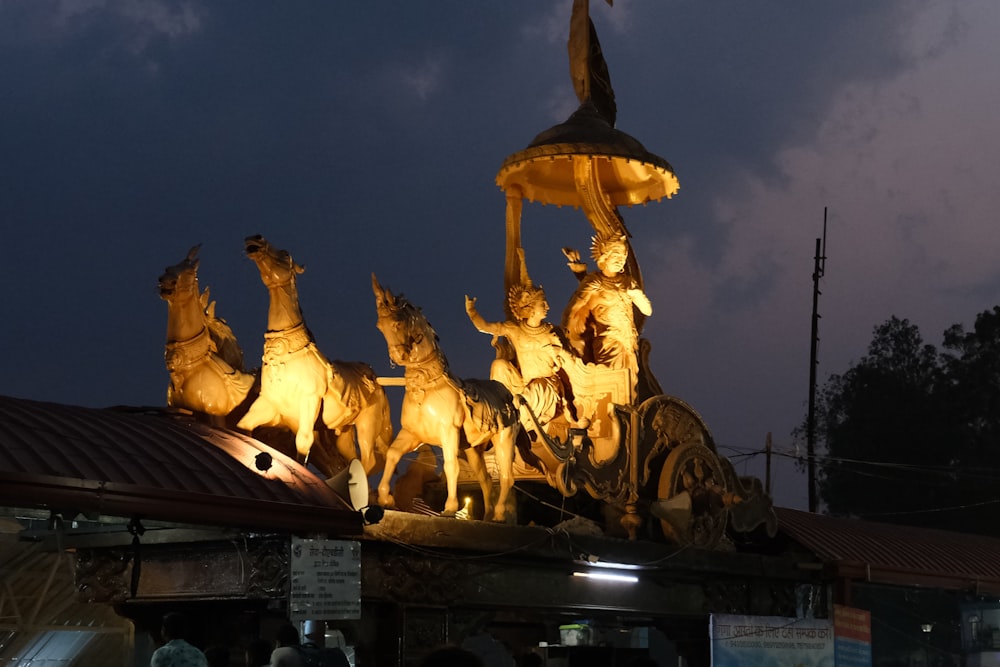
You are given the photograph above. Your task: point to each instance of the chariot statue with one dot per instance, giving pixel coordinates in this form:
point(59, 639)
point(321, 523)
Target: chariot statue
point(619, 436)
point(572, 404)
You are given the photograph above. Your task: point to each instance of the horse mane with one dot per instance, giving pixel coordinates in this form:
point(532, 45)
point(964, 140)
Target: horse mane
point(414, 317)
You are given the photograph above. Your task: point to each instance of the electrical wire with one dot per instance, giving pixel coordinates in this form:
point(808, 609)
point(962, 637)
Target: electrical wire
point(878, 470)
point(991, 474)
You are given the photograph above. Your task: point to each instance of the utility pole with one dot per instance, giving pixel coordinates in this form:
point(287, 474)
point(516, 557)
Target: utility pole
point(819, 269)
point(767, 476)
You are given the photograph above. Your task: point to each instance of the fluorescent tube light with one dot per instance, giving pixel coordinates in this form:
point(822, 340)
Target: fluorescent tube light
point(607, 576)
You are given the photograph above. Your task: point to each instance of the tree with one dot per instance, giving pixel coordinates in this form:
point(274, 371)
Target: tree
point(971, 395)
point(973, 369)
point(886, 432)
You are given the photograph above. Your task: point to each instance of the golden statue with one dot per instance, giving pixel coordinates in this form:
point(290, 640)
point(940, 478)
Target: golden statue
point(535, 372)
point(578, 401)
point(599, 320)
point(204, 360)
point(297, 381)
point(440, 409)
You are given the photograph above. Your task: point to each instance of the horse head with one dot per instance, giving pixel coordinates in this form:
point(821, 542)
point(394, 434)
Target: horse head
point(408, 335)
point(276, 267)
point(181, 279)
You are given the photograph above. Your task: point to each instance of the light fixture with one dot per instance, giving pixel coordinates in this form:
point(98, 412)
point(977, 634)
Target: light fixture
point(608, 576)
point(263, 461)
point(926, 627)
point(974, 622)
point(592, 560)
point(351, 487)
point(372, 514)
point(466, 512)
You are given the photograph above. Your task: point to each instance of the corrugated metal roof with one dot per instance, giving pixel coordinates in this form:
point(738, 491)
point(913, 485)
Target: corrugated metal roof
point(894, 554)
point(156, 463)
point(41, 602)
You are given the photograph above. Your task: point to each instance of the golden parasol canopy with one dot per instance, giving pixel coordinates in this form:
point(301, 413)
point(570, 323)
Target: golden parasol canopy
point(628, 174)
point(583, 162)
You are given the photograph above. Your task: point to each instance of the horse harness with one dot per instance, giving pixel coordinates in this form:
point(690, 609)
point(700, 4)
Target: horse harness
point(181, 355)
point(287, 342)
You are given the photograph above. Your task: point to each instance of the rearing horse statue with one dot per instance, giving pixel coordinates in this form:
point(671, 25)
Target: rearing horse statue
point(297, 381)
point(439, 409)
point(204, 360)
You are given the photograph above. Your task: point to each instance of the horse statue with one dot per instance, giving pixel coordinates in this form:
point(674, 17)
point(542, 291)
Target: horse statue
point(440, 409)
point(298, 382)
point(204, 360)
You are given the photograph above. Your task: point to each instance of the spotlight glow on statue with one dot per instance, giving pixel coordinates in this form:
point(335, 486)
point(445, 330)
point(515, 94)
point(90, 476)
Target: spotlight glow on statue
point(297, 380)
point(599, 319)
point(204, 360)
point(440, 409)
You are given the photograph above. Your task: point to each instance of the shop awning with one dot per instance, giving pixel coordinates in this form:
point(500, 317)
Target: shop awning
point(157, 463)
point(898, 555)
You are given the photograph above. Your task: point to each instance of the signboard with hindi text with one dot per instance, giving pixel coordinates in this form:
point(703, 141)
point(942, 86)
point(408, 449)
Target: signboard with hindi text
point(325, 581)
point(759, 641)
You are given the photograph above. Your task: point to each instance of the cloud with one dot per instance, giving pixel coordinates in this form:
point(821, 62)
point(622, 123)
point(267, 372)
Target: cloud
point(65, 18)
point(551, 26)
point(153, 15)
point(903, 156)
point(424, 77)
point(160, 18)
point(907, 166)
point(126, 29)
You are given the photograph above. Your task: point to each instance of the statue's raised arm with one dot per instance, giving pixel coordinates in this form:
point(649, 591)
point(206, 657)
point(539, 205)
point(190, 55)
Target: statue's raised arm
point(539, 355)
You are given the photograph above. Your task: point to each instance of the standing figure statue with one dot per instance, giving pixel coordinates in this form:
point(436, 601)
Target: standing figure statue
point(599, 320)
point(536, 372)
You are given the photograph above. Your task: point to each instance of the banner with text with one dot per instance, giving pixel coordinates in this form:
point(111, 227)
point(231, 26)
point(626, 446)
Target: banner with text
point(852, 629)
point(325, 580)
point(756, 641)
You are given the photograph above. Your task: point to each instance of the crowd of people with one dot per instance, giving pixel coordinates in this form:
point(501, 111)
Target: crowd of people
point(286, 650)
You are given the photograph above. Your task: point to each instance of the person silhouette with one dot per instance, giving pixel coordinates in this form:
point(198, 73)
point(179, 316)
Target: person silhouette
point(314, 636)
point(451, 656)
point(176, 652)
point(258, 653)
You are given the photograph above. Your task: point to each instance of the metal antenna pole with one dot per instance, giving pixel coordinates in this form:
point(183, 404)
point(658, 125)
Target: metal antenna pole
point(818, 271)
point(767, 468)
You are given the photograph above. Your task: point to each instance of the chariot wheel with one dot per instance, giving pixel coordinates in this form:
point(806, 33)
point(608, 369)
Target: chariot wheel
point(692, 497)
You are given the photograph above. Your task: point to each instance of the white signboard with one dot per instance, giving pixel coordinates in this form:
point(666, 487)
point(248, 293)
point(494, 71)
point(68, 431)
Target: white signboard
point(325, 580)
point(759, 641)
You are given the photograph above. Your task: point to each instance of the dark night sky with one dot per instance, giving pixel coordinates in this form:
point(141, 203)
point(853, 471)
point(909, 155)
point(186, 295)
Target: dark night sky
point(365, 137)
